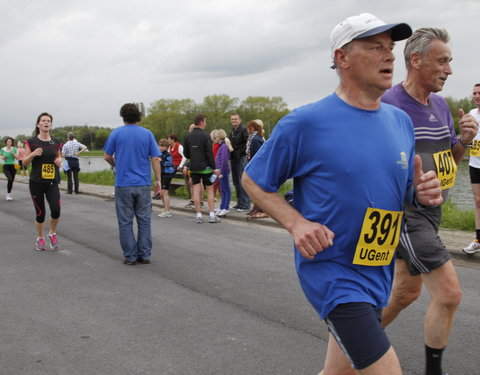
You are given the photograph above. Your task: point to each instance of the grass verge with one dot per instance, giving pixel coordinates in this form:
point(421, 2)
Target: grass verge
point(452, 216)
point(455, 218)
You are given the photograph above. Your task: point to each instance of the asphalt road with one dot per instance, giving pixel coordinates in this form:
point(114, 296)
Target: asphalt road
point(217, 299)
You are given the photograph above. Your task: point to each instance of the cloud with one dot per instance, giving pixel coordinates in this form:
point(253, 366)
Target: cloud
point(83, 60)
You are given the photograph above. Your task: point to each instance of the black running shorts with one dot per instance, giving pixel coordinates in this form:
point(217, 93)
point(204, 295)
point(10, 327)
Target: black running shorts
point(356, 327)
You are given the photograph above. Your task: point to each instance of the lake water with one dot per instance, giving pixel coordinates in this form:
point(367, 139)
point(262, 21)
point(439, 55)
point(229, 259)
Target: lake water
point(93, 164)
point(460, 194)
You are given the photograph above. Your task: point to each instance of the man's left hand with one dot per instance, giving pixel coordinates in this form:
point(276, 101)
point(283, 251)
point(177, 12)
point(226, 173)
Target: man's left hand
point(427, 185)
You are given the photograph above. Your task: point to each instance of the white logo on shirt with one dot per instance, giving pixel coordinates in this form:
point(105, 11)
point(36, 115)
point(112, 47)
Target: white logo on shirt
point(403, 160)
point(432, 118)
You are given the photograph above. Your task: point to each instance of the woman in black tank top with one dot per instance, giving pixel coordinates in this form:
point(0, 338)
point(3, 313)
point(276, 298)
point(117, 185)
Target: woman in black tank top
point(44, 153)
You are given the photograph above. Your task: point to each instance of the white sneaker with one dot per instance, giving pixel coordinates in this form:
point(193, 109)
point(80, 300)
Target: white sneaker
point(223, 213)
point(165, 214)
point(473, 248)
point(8, 197)
point(214, 219)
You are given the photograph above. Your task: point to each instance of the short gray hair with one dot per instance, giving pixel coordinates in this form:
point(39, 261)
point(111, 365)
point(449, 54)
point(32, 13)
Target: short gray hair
point(70, 136)
point(420, 41)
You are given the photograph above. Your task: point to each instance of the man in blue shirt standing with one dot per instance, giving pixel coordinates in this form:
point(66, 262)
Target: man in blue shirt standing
point(131, 149)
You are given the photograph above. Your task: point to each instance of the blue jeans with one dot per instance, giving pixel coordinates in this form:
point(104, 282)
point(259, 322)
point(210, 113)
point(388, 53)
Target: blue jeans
point(226, 192)
point(129, 202)
point(238, 165)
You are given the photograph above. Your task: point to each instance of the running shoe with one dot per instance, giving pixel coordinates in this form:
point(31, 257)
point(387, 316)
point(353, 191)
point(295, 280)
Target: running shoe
point(165, 214)
point(53, 241)
point(473, 248)
point(199, 220)
point(223, 213)
point(190, 205)
point(40, 244)
point(8, 197)
point(214, 219)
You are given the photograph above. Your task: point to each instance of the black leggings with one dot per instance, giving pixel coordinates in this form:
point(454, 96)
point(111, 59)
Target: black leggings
point(10, 172)
point(39, 192)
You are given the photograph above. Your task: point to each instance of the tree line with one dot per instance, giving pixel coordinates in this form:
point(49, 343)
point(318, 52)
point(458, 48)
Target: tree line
point(173, 116)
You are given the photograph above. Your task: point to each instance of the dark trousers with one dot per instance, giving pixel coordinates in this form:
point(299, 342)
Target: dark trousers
point(238, 165)
point(73, 172)
point(10, 172)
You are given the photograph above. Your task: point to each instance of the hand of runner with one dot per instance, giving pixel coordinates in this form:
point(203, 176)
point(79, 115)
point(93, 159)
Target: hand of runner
point(310, 238)
point(468, 126)
point(427, 185)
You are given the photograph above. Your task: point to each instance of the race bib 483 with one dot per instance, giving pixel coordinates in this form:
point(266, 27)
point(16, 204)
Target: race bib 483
point(379, 237)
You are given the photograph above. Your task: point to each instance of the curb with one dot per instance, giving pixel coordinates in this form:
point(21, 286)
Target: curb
point(448, 235)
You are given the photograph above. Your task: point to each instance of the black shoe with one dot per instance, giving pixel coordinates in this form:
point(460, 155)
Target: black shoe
point(143, 261)
point(69, 192)
point(128, 262)
point(78, 192)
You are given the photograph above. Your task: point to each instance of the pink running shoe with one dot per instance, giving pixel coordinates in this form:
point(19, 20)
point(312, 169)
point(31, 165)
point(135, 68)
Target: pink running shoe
point(40, 245)
point(53, 241)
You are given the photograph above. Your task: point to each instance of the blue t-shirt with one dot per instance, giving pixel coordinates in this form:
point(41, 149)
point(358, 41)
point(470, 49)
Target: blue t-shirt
point(342, 160)
point(166, 162)
point(132, 146)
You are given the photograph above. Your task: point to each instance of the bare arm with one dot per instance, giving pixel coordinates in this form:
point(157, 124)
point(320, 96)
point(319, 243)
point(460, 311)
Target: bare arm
point(310, 238)
point(157, 171)
point(29, 154)
point(58, 158)
point(109, 159)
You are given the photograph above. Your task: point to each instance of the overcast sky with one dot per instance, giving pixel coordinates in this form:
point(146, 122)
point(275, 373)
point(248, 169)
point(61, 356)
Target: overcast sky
point(81, 60)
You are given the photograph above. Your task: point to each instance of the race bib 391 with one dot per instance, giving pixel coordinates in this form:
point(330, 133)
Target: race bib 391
point(379, 237)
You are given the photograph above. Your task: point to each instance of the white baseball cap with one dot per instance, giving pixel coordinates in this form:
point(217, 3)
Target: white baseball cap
point(362, 26)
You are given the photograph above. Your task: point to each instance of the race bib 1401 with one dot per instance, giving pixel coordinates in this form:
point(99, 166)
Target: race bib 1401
point(446, 168)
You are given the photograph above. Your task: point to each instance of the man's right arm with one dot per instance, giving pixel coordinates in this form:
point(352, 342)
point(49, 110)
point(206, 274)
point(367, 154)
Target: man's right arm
point(310, 238)
point(109, 159)
point(157, 171)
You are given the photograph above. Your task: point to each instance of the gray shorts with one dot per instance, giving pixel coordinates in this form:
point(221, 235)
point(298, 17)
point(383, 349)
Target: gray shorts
point(421, 247)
